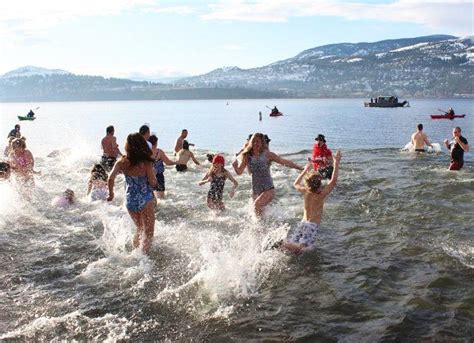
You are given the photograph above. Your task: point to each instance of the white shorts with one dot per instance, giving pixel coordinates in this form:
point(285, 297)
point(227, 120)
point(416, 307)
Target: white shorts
point(305, 233)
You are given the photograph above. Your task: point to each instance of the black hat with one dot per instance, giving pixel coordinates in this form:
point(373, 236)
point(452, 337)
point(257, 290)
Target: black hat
point(320, 138)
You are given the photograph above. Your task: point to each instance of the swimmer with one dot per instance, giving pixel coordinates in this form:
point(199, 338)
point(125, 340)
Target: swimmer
point(302, 238)
point(184, 155)
point(5, 170)
point(159, 165)
point(217, 175)
point(65, 199)
point(110, 149)
point(419, 139)
point(97, 184)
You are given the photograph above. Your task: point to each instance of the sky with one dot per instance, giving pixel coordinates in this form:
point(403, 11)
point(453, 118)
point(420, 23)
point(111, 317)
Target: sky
point(163, 38)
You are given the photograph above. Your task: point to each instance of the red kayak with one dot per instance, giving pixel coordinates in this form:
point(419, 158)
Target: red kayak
point(447, 116)
point(276, 114)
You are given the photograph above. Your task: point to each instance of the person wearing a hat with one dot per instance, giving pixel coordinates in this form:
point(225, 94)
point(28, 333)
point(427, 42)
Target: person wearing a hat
point(217, 175)
point(322, 157)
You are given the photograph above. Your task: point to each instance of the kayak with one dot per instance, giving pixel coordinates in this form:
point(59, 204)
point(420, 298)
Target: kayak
point(276, 114)
point(445, 116)
point(26, 118)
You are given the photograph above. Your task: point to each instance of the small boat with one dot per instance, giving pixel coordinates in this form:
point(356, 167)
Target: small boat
point(386, 101)
point(26, 118)
point(447, 116)
point(273, 114)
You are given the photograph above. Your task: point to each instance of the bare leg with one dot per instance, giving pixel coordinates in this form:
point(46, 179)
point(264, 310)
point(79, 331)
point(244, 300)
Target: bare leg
point(149, 225)
point(137, 218)
point(263, 200)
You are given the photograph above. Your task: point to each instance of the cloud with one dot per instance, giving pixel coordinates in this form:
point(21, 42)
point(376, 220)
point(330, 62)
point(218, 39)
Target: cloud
point(29, 18)
point(449, 15)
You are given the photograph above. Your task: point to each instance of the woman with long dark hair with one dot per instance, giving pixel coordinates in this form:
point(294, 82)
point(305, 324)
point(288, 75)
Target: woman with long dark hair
point(140, 179)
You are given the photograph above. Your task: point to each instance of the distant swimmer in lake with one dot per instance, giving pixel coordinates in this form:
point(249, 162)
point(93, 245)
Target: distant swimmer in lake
point(140, 180)
point(217, 175)
point(258, 158)
point(184, 155)
point(303, 237)
point(457, 147)
point(419, 139)
point(110, 149)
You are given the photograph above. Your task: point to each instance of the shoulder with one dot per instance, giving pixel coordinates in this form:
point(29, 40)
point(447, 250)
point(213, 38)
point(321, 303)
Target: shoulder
point(463, 139)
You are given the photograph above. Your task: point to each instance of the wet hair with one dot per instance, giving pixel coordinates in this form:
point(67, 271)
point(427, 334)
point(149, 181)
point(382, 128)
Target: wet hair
point(137, 149)
point(5, 169)
point(185, 145)
point(17, 126)
point(144, 129)
point(19, 142)
point(98, 173)
point(69, 193)
point(458, 128)
point(153, 139)
point(210, 157)
point(109, 129)
point(184, 130)
point(249, 148)
point(313, 182)
point(420, 127)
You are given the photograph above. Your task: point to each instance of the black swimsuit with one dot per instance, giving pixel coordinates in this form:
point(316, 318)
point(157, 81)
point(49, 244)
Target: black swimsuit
point(217, 188)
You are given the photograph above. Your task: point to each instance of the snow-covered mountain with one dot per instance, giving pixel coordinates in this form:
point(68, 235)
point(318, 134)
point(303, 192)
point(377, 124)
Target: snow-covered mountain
point(437, 65)
point(30, 71)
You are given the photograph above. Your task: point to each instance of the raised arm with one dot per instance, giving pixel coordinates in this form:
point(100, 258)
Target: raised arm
point(178, 145)
point(332, 183)
point(275, 158)
point(239, 168)
point(111, 180)
point(297, 183)
point(205, 179)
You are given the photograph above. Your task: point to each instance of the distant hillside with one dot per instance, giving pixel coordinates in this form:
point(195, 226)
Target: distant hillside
point(70, 87)
point(431, 66)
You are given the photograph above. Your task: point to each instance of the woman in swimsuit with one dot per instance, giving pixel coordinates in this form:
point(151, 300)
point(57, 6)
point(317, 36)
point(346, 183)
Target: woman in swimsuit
point(184, 155)
point(140, 179)
point(159, 165)
point(258, 158)
point(22, 162)
point(217, 175)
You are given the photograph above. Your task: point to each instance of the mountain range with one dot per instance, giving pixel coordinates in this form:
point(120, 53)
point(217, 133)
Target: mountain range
point(429, 66)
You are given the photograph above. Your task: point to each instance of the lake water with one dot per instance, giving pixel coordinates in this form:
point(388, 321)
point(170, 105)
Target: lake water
point(394, 259)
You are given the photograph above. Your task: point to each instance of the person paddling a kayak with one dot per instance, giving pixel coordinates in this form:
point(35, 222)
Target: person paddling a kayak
point(450, 112)
point(31, 114)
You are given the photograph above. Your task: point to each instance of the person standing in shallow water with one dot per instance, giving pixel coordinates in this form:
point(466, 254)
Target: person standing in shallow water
point(419, 139)
point(140, 180)
point(258, 158)
point(110, 149)
point(457, 147)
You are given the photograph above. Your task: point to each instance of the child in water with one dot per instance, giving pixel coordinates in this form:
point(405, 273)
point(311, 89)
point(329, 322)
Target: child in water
point(303, 238)
point(5, 170)
point(97, 185)
point(217, 175)
point(64, 200)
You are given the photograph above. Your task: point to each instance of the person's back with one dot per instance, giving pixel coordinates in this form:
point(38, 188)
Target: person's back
point(419, 139)
point(313, 206)
point(184, 156)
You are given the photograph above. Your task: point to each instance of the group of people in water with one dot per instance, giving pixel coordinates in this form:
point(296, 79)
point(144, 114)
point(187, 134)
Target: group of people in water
point(457, 146)
point(143, 165)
